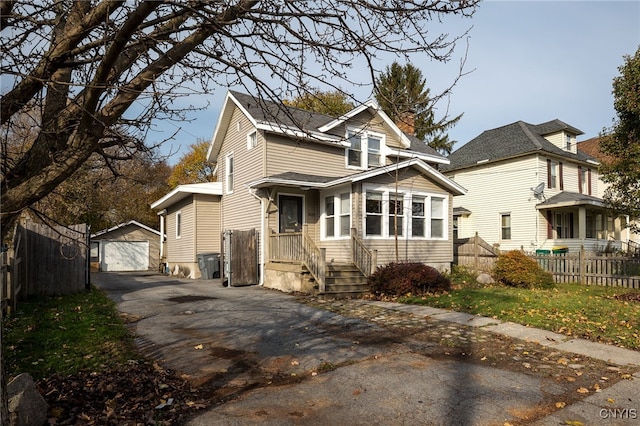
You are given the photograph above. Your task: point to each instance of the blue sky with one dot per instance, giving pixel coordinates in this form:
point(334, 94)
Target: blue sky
point(527, 60)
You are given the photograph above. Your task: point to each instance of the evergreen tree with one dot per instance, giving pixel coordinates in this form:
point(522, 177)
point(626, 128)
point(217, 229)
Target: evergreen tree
point(402, 94)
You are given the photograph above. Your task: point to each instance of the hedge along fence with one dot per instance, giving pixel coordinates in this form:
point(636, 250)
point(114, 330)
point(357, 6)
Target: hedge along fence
point(606, 269)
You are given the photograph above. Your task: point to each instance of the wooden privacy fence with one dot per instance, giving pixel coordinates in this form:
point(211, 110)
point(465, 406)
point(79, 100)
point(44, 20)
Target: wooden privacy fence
point(45, 261)
point(475, 254)
point(10, 279)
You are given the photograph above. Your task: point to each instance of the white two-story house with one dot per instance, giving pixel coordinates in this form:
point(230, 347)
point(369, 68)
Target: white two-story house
point(530, 188)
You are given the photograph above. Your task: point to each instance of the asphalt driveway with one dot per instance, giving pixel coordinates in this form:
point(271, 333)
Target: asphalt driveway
point(283, 362)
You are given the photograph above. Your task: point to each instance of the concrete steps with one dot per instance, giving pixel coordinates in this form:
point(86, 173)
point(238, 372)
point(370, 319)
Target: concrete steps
point(344, 280)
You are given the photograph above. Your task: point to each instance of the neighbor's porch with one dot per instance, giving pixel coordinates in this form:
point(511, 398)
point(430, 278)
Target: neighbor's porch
point(573, 227)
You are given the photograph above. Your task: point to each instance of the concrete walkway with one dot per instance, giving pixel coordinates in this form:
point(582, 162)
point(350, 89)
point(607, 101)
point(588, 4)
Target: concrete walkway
point(284, 362)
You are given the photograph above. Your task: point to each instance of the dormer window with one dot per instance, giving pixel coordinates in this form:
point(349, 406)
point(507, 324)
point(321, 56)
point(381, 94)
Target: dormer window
point(568, 142)
point(365, 149)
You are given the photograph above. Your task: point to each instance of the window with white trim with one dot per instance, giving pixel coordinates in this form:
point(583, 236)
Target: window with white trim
point(252, 140)
point(178, 224)
point(505, 226)
point(396, 214)
point(345, 214)
point(337, 215)
point(426, 219)
point(365, 149)
point(373, 213)
point(418, 217)
point(229, 170)
point(437, 217)
point(329, 217)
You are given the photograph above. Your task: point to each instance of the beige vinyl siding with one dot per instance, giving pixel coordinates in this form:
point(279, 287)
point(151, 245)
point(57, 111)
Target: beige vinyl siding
point(286, 155)
point(374, 123)
point(207, 211)
point(503, 187)
point(181, 249)
point(310, 209)
point(240, 210)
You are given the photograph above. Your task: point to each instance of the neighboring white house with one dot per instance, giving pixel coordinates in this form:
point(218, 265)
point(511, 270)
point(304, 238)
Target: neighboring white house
point(529, 187)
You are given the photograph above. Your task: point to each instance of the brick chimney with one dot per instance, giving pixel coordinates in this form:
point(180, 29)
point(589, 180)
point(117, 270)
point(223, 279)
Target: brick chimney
point(406, 122)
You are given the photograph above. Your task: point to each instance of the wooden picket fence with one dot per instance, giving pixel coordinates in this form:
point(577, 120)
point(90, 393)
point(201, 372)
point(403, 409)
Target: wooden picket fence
point(605, 269)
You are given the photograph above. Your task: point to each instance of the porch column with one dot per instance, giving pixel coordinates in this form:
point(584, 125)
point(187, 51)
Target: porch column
point(582, 223)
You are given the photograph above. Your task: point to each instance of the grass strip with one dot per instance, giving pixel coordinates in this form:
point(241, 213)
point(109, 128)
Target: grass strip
point(66, 334)
point(589, 312)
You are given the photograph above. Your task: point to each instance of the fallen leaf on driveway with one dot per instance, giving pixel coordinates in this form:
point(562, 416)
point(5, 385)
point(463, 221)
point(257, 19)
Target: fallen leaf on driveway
point(583, 390)
point(561, 404)
point(573, 423)
point(198, 346)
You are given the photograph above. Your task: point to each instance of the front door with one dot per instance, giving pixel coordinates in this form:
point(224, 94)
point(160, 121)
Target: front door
point(290, 208)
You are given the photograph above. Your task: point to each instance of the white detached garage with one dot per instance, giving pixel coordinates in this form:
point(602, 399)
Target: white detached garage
point(130, 246)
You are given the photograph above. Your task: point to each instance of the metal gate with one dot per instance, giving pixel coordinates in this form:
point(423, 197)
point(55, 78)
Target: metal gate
point(240, 257)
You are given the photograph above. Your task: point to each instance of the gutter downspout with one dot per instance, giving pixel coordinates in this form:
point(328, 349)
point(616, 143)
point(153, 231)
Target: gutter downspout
point(163, 215)
point(263, 230)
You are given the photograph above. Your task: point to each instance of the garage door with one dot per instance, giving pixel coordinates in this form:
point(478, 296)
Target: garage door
point(125, 256)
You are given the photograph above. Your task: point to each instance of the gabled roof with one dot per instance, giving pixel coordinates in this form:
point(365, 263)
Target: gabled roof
point(298, 123)
point(182, 191)
point(567, 198)
point(513, 140)
point(322, 182)
point(123, 225)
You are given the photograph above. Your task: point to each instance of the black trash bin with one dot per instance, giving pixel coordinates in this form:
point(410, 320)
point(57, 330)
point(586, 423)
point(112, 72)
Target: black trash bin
point(209, 264)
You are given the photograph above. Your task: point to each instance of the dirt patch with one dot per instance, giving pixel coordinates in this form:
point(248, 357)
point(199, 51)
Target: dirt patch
point(629, 297)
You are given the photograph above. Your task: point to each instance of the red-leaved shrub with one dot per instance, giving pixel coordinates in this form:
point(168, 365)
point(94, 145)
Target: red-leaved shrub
point(400, 279)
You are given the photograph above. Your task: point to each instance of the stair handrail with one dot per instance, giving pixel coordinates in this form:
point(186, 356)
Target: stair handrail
point(314, 259)
point(363, 258)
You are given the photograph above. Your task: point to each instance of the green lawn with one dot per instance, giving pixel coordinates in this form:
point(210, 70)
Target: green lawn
point(589, 312)
point(63, 335)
